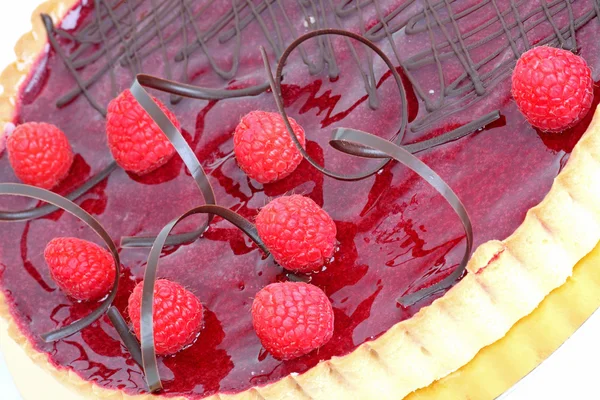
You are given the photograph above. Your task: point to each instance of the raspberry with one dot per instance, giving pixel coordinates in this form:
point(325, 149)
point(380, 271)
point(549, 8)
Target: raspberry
point(263, 148)
point(299, 234)
point(292, 319)
point(40, 154)
point(178, 315)
point(82, 269)
point(135, 140)
point(552, 88)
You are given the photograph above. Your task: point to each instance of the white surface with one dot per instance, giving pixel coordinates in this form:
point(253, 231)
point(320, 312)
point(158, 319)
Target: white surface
point(570, 373)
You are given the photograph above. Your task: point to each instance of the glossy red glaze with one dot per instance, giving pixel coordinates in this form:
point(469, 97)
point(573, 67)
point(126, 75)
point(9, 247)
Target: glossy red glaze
point(395, 233)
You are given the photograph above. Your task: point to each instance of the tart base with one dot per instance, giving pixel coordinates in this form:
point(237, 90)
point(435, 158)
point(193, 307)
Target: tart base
point(460, 341)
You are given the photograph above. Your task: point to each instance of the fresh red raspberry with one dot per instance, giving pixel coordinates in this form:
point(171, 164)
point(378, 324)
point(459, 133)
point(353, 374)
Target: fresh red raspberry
point(264, 149)
point(552, 88)
point(135, 140)
point(82, 269)
point(292, 319)
point(299, 234)
point(178, 315)
point(40, 154)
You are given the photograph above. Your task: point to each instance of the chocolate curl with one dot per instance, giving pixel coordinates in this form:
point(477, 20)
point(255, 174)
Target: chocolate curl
point(185, 152)
point(39, 212)
point(366, 145)
point(188, 156)
point(149, 361)
point(355, 142)
point(275, 83)
point(60, 202)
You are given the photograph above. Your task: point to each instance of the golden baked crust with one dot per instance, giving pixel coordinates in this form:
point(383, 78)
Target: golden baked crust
point(507, 281)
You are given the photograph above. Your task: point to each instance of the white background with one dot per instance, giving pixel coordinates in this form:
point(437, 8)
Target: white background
point(571, 373)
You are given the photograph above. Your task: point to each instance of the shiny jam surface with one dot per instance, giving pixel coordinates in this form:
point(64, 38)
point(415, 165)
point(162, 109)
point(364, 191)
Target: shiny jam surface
point(395, 233)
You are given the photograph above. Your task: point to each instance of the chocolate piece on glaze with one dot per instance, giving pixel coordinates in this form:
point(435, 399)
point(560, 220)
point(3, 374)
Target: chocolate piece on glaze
point(185, 152)
point(275, 83)
point(147, 323)
point(127, 337)
point(16, 189)
point(343, 136)
point(39, 212)
point(197, 92)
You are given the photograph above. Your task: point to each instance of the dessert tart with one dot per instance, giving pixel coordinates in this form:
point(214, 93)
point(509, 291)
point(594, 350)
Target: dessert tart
point(412, 317)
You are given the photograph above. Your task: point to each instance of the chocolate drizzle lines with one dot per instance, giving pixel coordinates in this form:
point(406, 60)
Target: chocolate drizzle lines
point(133, 41)
point(49, 25)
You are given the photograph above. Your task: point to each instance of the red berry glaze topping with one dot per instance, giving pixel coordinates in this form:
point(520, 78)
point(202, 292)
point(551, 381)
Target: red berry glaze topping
point(40, 154)
point(264, 149)
point(82, 269)
point(552, 88)
point(178, 315)
point(135, 141)
point(300, 235)
point(292, 319)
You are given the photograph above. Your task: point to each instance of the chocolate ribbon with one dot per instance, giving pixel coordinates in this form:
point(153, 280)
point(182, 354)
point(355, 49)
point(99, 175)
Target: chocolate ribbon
point(39, 212)
point(181, 146)
point(363, 144)
point(60, 202)
point(149, 361)
point(355, 142)
point(183, 149)
point(275, 83)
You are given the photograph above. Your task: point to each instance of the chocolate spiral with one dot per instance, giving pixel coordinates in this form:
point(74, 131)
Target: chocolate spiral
point(188, 156)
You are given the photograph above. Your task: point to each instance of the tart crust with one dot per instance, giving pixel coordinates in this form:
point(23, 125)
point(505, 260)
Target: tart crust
point(516, 305)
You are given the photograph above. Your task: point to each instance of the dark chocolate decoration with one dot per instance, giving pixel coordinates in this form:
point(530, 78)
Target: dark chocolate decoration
point(49, 25)
point(181, 146)
point(275, 83)
point(183, 149)
point(16, 189)
point(363, 144)
point(340, 140)
point(146, 321)
point(128, 338)
point(39, 212)
point(197, 92)
point(453, 135)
